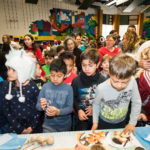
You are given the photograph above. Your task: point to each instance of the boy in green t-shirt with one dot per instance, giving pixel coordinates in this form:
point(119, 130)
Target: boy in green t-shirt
point(49, 57)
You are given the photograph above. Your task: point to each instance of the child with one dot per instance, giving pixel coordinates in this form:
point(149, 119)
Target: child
point(30, 45)
point(144, 85)
point(84, 86)
point(68, 58)
point(49, 57)
point(56, 99)
point(18, 105)
point(38, 79)
point(105, 67)
point(112, 99)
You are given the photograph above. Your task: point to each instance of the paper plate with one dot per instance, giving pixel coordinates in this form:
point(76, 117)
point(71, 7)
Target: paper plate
point(89, 139)
point(125, 144)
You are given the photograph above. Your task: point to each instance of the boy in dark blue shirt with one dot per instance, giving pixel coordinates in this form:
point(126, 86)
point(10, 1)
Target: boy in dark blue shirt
point(56, 99)
point(84, 88)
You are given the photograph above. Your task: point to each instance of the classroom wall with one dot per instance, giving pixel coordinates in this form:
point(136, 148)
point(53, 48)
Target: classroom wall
point(16, 15)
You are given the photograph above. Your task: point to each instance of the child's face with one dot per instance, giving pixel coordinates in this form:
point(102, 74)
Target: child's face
point(12, 74)
point(38, 71)
point(69, 63)
point(57, 78)
point(119, 84)
point(89, 67)
point(28, 41)
point(48, 60)
point(105, 65)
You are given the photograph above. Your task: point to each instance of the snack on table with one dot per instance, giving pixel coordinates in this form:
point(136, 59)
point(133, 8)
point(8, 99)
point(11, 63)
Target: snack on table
point(139, 148)
point(92, 138)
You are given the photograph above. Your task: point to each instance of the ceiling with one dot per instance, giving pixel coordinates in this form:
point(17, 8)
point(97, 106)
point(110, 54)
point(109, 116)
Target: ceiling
point(128, 5)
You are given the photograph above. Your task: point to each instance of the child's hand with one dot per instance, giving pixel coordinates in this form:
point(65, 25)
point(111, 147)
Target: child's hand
point(27, 131)
point(47, 77)
point(142, 117)
point(43, 103)
point(94, 127)
point(89, 111)
point(52, 111)
point(82, 115)
point(128, 129)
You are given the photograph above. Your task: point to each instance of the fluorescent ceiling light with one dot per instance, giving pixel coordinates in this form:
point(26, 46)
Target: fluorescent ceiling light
point(111, 3)
point(118, 2)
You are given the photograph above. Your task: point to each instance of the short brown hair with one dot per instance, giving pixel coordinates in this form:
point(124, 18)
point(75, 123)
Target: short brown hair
point(91, 54)
point(122, 66)
point(106, 57)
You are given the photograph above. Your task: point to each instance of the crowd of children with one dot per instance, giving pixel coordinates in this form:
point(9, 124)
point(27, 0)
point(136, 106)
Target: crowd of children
point(73, 88)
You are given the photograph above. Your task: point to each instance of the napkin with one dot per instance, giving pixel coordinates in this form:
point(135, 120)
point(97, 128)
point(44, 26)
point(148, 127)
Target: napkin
point(143, 134)
point(10, 141)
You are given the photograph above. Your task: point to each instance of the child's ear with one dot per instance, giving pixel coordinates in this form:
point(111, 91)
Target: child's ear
point(65, 76)
point(97, 65)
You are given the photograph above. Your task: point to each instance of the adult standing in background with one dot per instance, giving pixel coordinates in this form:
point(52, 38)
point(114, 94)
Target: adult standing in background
point(109, 49)
point(78, 39)
point(71, 45)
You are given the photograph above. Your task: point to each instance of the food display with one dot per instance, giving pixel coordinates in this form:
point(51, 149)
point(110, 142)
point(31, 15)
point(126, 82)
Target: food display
point(89, 139)
point(37, 141)
point(120, 140)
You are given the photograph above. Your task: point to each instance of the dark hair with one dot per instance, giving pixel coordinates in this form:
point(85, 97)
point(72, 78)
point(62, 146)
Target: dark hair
point(59, 48)
point(112, 36)
point(58, 65)
point(79, 34)
point(112, 31)
point(92, 54)
point(34, 45)
point(51, 53)
point(122, 66)
point(67, 55)
point(132, 26)
point(8, 38)
point(11, 37)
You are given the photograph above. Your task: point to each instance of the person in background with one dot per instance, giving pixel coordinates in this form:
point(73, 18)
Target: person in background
point(131, 28)
point(49, 57)
point(115, 33)
point(130, 43)
point(78, 39)
point(30, 45)
point(14, 44)
point(56, 99)
point(105, 67)
point(6, 44)
point(60, 49)
point(38, 79)
point(110, 110)
point(68, 58)
point(19, 96)
point(71, 45)
point(109, 49)
point(84, 89)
